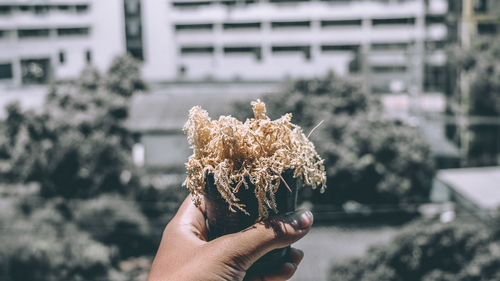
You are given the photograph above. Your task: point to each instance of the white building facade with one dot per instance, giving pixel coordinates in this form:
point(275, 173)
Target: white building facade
point(391, 43)
point(45, 40)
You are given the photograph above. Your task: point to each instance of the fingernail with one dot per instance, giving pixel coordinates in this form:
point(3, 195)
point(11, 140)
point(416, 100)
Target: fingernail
point(290, 266)
point(299, 219)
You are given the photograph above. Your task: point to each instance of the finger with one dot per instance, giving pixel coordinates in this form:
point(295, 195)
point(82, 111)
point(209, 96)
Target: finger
point(284, 273)
point(245, 247)
point(190, 220)
point(287, 269)
point(295, 256)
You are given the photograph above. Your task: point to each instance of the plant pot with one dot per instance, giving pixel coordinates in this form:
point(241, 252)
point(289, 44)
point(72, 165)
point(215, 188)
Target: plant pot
point(221, 221)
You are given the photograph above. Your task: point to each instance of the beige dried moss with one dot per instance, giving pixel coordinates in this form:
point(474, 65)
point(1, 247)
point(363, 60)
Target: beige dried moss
point(258, 150)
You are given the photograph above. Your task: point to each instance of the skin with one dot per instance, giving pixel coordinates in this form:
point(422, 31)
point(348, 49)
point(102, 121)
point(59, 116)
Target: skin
point(185, 254)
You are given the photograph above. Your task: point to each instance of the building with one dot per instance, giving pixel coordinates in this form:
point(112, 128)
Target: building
point(49, 40)
point(158, 118)
point(479, 18)
point(395, 45)
point(391, 43)
point(474, 189)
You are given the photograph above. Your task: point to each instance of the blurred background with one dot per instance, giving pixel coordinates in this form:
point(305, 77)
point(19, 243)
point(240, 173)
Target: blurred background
point(94, 94)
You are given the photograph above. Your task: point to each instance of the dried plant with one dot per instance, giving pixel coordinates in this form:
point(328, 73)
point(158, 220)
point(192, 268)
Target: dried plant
point(257, 151)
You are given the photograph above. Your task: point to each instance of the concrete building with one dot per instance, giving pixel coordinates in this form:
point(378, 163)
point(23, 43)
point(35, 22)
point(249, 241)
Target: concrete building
point(49, 40)
point(395, 45)
point(391, 43)
point(473, 189)
point(479, 18)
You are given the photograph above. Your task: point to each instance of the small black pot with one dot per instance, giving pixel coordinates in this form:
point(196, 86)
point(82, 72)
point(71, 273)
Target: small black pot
point(221, 221)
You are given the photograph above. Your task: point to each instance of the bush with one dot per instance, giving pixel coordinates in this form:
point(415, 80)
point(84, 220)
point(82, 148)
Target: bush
point(44, 246)
point(437, 252)
point(116, 221)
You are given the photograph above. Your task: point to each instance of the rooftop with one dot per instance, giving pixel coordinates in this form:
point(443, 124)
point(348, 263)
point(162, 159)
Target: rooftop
point(479, 185)
point(167, 109)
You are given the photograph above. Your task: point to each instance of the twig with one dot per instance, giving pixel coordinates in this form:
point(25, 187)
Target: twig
point(284, 181)
point(312, 130)
point(286, 184)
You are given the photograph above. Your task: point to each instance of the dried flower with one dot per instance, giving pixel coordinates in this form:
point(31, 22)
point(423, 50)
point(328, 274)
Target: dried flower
point(258, 151)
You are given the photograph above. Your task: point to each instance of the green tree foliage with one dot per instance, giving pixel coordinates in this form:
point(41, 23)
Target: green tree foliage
point(369, 159)
point(478, 96)
point(436, 252)
point(124, 77)
point(482, 63)
point(78, 145)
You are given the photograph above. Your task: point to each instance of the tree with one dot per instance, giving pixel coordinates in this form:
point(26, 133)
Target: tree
point(478, 100)
point(124, 76)
point(368, 158)
point(78, 146)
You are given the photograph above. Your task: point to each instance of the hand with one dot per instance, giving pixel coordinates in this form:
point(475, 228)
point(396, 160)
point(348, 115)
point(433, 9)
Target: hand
point(185, 254)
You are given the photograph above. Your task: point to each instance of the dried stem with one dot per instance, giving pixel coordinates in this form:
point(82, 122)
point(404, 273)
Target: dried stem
point(312, 130)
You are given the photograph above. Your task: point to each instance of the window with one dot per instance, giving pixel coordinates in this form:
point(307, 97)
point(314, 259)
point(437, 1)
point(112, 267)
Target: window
point(228, 2)
point(435, 19)
point(133, 28)
point(402, 46)
point(487, 28)
point(24, 8)
point(434, 78)
point(74, 31)
point(194, 27)
point(88, 56)
point(393, 21)
point(435, 45)
point(82, 8)
point(136, 52)
point(5, 71)
point(5, 10)
point(32, 33)
point(339, 48)
point(256, 51)
point(191, 4)
point(241, 25)
point(237, 2)
point(132, 7)
point(288, 1)
point(389, 69)
point(62, 57)
point(290, 24)
point(41, 9)
point(35, 71)
point(481, 6)
point(306, 50)
point(197, 50)
point(63, 7)
point(340, 23)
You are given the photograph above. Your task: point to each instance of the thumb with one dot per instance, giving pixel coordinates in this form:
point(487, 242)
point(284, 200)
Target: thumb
point(247, 246)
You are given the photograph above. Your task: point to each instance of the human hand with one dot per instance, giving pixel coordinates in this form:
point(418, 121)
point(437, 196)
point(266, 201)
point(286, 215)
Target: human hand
point(185, 254)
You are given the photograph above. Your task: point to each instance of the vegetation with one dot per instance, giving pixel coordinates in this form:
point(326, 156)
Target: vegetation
point(93, 211)
point(429, 252)
point(478, 99)
point(368, 158)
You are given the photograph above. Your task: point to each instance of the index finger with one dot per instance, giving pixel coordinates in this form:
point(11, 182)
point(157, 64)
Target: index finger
point(190, 219)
